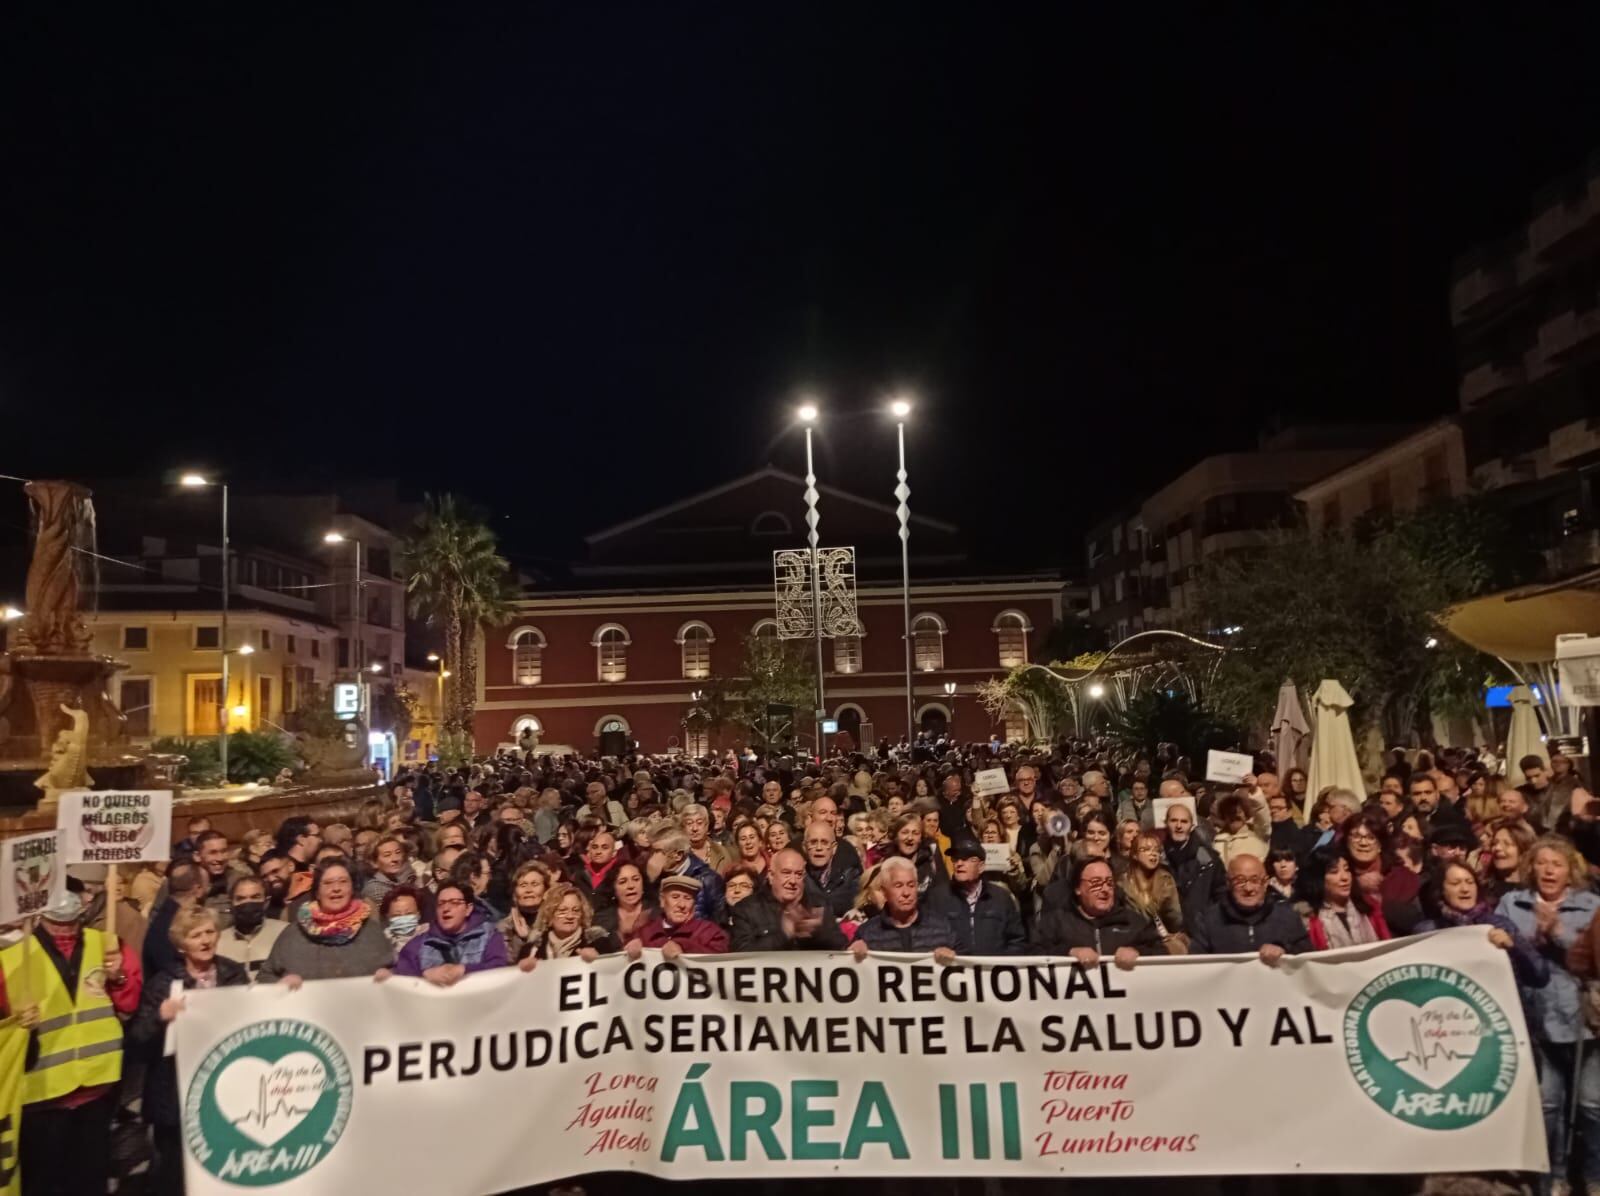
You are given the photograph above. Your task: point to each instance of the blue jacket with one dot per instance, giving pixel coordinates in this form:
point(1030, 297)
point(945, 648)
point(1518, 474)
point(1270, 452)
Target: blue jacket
point(1555, 1009)
point(991, 926)
point(707, 902)
point(1532, 969)
point(477, 944)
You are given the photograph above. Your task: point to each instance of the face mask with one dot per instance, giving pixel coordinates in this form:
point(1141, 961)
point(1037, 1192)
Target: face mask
point(404, 924)
point(248, 915)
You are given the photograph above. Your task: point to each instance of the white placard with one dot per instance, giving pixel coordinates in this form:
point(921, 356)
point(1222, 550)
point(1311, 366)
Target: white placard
point(1229, 768)
point(996, 857)
point(1417, 1050)
point(169, 1044)
point(1578, 669)
point(1163, 804)
point(115, 826)
point(991, 782)
point(33, 875)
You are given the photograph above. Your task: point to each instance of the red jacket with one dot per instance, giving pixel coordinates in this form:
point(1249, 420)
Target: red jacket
point(697, 936)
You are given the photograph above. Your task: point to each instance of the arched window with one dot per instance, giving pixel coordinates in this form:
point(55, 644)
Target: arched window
point(612, 724)
point(771, 523)
point(611, 652)
point(847, 653)
point(527, 656)
point(766, 629)
point(1011, 629)
point(927, 642)
point(694, 641)
point(526, 723)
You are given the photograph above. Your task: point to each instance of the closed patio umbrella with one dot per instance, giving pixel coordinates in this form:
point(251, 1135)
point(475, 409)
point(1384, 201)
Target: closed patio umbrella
point(1333, 747)
point(1291, 734)
point(1523, 738)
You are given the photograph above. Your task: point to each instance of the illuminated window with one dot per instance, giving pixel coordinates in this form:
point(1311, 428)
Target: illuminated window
point(847, 654)
point(527, 656)
point(694, 640)
point(611, 652)
point(927, 642)
point(766, 629)
point(1011, 630)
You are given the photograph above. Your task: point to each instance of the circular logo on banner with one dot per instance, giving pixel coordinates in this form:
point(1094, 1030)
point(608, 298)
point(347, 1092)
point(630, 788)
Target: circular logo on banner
point(268, 1103)
point(1430, 1047)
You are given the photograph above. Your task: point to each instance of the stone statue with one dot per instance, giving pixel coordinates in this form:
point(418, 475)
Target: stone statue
point(69, 758)
point(63, 524)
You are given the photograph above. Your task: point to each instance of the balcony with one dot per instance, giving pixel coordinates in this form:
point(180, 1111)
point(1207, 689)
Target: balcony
point(1571, 442)
point(1573, 553)
point(1570, 335)
point(1480, 290)
point(1571, 213)
point(1484, 381)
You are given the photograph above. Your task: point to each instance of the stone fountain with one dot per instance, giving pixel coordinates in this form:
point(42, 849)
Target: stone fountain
point(56, 714)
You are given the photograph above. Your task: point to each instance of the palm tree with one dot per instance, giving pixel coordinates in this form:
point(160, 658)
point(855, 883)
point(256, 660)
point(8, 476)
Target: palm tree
point(454, 579)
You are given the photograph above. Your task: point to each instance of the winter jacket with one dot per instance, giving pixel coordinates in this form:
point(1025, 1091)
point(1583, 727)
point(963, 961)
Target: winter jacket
point(595, 886)
point(1222, 928)
point(1532, 970)
point(838, 891)
point(478, 945)
point(597, 938)
point(708, 903)
point(149, 1034)
point(1131, 811)
point(1064, 928)
point(929, 932)
point(1555, 1010)
point(298, 954)
point(992, 925)
point(757, 925)
point(696, 936)
point(1201, 880)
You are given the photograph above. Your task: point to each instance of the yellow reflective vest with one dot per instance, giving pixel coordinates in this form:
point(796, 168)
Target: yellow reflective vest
point(80, 1038)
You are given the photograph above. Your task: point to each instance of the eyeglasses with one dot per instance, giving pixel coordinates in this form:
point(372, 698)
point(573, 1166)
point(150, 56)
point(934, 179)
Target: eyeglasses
point(450, 902)
point(1246, 882)
point(1362, 836)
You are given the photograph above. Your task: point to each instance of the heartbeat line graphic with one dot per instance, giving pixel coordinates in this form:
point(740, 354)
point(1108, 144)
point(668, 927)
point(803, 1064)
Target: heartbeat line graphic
point(1423, 1055)
point(266, 1111)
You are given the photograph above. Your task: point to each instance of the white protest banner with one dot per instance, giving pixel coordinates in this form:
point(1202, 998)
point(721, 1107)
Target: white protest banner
point(990, 782)
point(115, 826)
point(1228, 768)
point(33, 874)
point(799, 1064)
point(996, 857)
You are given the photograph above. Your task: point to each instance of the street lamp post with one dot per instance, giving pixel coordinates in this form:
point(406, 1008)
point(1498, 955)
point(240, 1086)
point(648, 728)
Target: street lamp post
point(196, 480)
point(808, 416)
point(901, 409)
point(950, 692)
point(355, 599)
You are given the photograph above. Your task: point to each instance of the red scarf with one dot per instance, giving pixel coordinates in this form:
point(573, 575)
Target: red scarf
point(596, 879)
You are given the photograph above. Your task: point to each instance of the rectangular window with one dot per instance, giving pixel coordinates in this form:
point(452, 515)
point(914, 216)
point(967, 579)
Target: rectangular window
point(264, 701)
point(343, 660)
point(205, 696)
point(207, 638)
point(291, 644)
point(696, 654)
point(847, 654)
point(316, 649)
point(135, 639)
point(266, 640)
point(288, 689)
point(1013, 644)
point(613, 658)
point(135, 703)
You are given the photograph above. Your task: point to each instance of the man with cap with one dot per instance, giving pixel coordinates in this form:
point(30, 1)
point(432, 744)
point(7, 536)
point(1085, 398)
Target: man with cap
point(67, 983)
point(677, 930)
point(89, 882)
point(983, 915)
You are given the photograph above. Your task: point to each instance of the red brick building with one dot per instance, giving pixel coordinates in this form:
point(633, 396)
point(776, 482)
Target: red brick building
point(662, 603)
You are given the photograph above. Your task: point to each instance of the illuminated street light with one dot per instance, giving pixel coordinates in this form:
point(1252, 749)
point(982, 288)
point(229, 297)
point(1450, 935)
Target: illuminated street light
point(807, 413)
point(10, 614)
point(902, 493)
point(432, 656)
point(193, 479)
point(900, 408)
point(375, 667)
point(333, 538)
point(1097, 690)
point(240, 710)
point(247, 649)
point(199, 481)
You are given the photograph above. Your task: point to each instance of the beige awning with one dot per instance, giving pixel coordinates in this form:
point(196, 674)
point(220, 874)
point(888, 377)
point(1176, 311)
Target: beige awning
point(1522, 624)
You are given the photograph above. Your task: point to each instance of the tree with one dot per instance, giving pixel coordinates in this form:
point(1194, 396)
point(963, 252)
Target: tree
point(1363, 608)
point(1157, 716)
point(455, 579)
point(774, 673)
point(1043, 698)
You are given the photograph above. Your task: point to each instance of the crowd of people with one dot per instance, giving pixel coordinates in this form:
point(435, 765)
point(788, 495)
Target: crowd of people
point(520, 859)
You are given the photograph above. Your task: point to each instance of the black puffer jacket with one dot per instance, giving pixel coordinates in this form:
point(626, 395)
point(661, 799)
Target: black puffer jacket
point(1060, 930)
point(149, 1034)
point(1201, 879)
point(1225, 929)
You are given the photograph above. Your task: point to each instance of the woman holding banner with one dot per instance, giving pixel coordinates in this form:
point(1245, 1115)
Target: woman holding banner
point(461, 940)
point(335, 934)
point(1341, 915)
point(194, 935)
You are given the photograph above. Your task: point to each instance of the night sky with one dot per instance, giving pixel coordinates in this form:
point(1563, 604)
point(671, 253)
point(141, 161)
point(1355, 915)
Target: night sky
point(576, 261)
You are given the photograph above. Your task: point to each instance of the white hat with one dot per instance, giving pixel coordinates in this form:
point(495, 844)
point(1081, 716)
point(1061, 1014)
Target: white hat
point(66, 906)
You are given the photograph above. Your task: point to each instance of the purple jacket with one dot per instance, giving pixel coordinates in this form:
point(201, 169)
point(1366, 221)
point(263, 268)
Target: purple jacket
point(477, 944)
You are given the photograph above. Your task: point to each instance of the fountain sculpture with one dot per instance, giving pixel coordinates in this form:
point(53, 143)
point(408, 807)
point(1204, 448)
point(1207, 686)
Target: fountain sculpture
point(56, 715)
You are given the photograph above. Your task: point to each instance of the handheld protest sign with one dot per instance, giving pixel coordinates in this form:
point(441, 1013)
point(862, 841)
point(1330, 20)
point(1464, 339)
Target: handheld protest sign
point(34, 874)
point(1228, 768)
point(115, 826)
point(990, 782)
